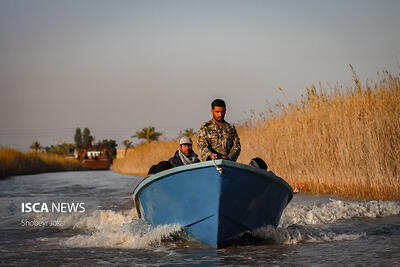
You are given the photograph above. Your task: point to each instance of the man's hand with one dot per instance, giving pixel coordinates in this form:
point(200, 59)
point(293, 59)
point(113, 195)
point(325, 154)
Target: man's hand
point(213, 156)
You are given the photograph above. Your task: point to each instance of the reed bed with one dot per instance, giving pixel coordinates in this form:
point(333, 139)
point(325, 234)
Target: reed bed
point(333, 141)
point(13, 163)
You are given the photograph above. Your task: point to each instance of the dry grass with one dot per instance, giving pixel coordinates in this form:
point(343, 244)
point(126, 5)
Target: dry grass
point(13, 163)
point(333, 141)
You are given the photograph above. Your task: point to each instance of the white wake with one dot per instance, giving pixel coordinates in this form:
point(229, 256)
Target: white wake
point(299, 223)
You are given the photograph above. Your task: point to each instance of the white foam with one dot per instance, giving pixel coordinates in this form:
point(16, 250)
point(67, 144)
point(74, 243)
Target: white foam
point(336, 210)
point(302, 223)
point(107, 228)
point(131, 235)
point(90, 220)
point(297, 235)
point(299, 223)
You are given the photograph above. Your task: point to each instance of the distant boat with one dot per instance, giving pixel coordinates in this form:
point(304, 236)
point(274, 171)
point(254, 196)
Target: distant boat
point(95, 158)
point(97, 164)
point(214, 201)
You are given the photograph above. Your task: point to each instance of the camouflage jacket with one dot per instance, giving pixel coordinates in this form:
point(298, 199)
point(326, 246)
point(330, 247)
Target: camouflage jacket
point(220, 139)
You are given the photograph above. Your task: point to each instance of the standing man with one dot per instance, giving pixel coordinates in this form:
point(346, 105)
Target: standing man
point(217, 138)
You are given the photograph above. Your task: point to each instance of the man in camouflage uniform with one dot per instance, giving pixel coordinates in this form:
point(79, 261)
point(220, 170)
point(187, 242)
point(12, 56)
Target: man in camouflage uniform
point(217, 138)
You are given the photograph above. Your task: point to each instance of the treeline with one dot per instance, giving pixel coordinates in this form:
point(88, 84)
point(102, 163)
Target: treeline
point(83, 140)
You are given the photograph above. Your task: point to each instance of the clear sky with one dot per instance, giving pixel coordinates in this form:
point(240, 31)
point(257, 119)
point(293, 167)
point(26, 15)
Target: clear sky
point(118, 66)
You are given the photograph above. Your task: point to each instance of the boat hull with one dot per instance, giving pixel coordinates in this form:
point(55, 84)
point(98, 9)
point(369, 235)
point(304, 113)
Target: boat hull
point(213, 207)
point(96, 164)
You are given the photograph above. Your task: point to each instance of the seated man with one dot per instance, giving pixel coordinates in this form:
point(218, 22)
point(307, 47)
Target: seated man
point(184, 155)
point(260, 163)
point(161, 166)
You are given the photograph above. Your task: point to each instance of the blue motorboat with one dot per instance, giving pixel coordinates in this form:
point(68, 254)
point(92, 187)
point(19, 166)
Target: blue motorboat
point(215, 201)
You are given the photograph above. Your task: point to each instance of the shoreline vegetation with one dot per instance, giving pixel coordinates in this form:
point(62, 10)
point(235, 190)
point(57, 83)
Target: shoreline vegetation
point(13, 162)
point(335, 140)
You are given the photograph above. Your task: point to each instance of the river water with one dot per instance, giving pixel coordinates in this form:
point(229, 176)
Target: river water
point(104, 229)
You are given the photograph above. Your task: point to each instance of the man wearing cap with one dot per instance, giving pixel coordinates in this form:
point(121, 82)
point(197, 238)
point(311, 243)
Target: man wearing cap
point(185, 154)
point(217, 138)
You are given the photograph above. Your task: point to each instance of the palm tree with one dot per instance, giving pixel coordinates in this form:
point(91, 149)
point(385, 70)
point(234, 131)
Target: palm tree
point(36, 146)
point(148, 133)
point(187, 132)
point(127, 145)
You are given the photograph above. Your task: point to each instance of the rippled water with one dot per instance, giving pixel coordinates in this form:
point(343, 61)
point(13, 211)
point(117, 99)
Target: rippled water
point(314, 230)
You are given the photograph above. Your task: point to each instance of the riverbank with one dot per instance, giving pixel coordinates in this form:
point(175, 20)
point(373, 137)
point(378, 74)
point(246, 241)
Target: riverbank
point(332, 141)
point(13, 162)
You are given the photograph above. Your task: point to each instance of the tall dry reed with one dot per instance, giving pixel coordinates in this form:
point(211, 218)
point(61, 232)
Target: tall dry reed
point(13, 162)
point(334, 141)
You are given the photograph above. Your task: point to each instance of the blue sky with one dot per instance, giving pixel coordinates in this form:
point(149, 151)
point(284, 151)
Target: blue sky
point(118, 66)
